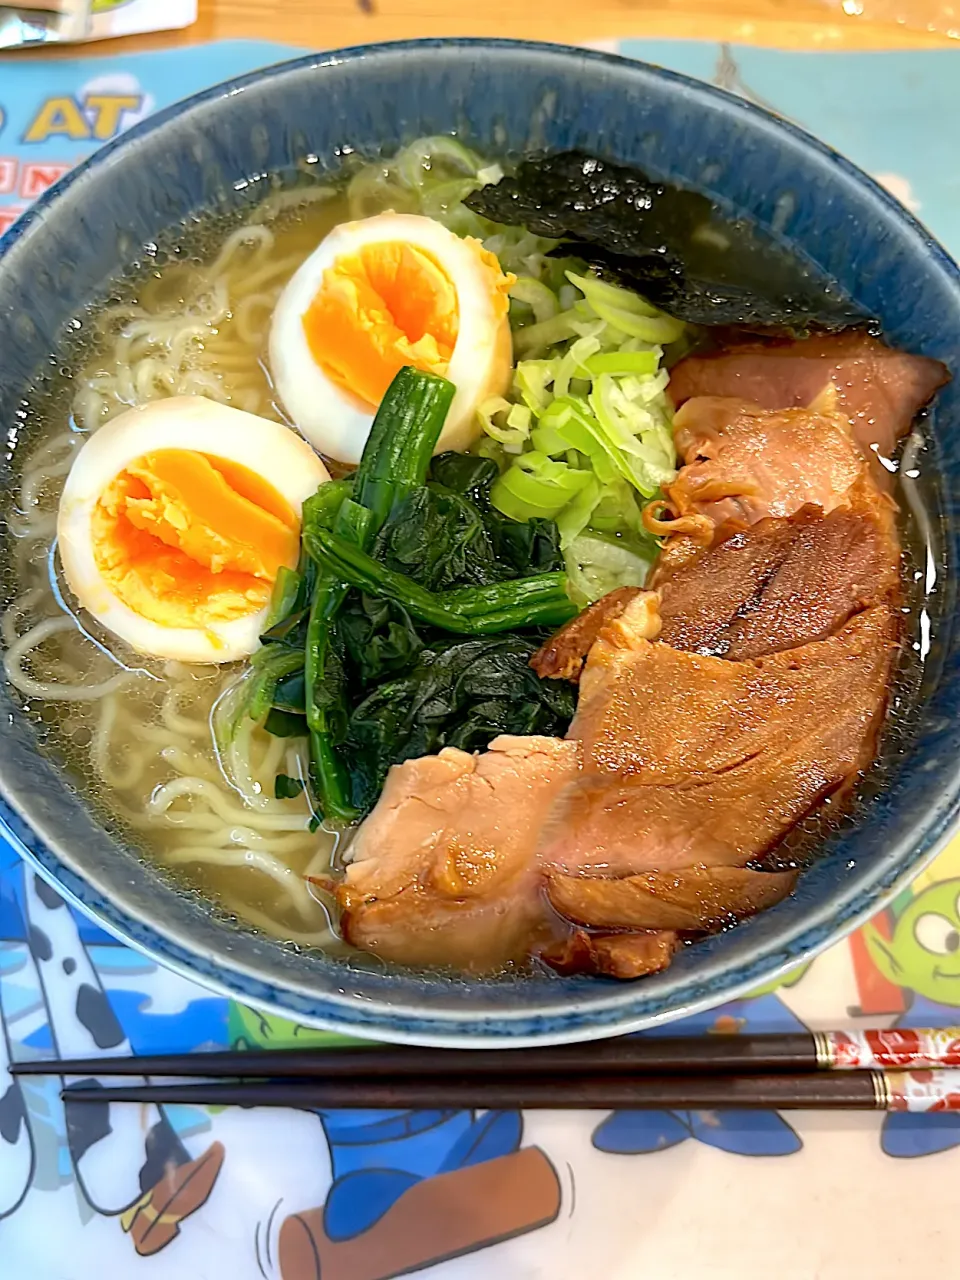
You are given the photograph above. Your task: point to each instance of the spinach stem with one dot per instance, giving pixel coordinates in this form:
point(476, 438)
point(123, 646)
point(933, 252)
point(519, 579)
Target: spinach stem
point(395, 459)
point(518, 602)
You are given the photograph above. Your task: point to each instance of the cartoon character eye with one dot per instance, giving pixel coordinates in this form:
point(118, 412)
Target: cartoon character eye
point(936, 933)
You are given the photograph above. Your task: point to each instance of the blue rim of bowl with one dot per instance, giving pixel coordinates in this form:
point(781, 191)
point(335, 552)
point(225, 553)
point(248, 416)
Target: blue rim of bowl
point(404, 1024)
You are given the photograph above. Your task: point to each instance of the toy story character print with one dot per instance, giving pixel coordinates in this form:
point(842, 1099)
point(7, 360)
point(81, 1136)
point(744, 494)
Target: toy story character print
point(746, 1133)
point(914, 951)
point(408, 1188)
point(151, 1172)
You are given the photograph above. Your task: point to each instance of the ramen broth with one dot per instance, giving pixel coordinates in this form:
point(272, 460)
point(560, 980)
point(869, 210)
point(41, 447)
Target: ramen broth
point(135, 733)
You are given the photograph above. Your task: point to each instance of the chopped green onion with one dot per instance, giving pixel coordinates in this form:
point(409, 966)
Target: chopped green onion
point(537, 486)
point(533, 379)
point(543, 302)
point(589, 435)
point(611, 295)
point(499, 419)
point(536, 337)
point(622, 363)
point(519, 418)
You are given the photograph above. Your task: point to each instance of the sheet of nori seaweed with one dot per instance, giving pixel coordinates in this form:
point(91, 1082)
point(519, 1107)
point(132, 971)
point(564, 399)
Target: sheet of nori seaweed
point(668, 243)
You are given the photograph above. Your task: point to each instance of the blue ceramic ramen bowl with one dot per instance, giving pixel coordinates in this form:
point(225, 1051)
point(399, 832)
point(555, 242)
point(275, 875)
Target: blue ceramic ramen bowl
point(503, 97)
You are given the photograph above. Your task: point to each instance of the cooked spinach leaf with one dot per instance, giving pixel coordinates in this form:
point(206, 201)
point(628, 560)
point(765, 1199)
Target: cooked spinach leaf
point(379, 637)
point(445, 533)
point(464, 474)
point(460, 695)
point(285, 724)
point(286, 788)
point(437, 538)
point(371, 686)
point(289, 694)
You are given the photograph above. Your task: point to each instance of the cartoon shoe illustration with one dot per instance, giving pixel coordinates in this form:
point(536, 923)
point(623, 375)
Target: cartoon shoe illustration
point(438, 1217)
point(176, 1187)
point(922, 955)
point(55, 970)
point(410, 1188)
point(745, 1133)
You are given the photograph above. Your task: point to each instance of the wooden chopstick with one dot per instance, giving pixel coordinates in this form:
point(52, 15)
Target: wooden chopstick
point(626, 1055)
point(785, 1091)
point(656, 1055)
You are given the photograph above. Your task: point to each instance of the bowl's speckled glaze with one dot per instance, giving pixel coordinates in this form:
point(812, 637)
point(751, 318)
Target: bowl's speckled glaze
point(503, 96)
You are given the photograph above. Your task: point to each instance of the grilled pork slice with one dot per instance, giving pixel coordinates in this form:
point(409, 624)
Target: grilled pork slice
point(742, 464)
point(698, 761)
point(692, 768)
point(444, 870)
point(612, 955)
point(693, 899)
point(784, 583)
point(775, 585)
point(879, 391)
point(563, 655)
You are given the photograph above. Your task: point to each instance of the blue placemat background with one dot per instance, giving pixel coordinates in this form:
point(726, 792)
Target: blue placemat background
point(892, 113)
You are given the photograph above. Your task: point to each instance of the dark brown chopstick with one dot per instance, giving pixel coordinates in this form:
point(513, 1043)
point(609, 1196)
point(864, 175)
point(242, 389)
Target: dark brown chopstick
point(854, 1090)
point(653, 1055)
point(626, 1055)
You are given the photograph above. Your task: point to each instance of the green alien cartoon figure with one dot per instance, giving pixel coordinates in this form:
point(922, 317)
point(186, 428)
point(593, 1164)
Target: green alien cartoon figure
point(924, 953)
point(923, 956)
point(251, 1029)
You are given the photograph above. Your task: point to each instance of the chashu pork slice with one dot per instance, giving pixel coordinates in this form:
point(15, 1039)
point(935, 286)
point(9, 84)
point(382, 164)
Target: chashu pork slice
point(879, 391)
point(784, 583)
point(613, 955)
point(693, 761)
point(563, 655)
point(444, 871)
point(741, 463)
point(775, 585)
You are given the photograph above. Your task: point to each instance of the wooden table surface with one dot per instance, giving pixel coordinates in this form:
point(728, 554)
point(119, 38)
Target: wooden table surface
point(803, 24)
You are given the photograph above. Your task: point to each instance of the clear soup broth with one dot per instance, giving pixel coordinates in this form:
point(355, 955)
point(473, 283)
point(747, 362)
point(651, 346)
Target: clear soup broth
point(134, 733)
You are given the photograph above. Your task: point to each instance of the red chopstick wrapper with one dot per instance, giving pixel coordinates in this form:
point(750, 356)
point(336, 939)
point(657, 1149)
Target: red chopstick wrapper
point(883, 1050)
point(920, 1090)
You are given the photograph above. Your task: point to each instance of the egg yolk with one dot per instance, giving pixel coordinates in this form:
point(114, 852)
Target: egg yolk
point(388, 305)
point(185, 539)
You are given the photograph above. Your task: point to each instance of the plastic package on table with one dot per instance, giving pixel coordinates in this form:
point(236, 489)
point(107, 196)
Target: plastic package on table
point(31, 23)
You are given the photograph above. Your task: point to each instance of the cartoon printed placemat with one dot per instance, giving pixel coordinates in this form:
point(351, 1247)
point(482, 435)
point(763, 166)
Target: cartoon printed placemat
point(183, 1193)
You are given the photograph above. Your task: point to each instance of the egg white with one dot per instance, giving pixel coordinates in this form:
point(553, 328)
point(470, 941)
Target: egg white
point(338, 423)
point(271, 450)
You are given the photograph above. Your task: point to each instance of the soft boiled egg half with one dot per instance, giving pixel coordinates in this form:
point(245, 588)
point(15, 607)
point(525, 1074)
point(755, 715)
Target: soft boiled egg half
point(378, 294)
point(175, 520)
